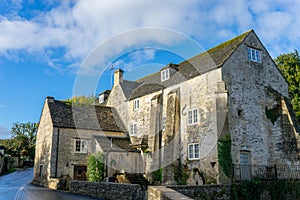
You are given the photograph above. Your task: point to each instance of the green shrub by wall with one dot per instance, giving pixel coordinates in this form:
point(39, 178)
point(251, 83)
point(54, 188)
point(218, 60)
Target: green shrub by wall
point(224, 155)
point(274, 190)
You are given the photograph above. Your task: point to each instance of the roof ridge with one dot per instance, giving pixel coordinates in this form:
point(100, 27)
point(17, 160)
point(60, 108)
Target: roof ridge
point(223, 44)
point(196, 65)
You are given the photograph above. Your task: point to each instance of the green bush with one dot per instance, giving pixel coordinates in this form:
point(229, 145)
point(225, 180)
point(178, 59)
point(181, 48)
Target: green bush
point(157, 175)
point(275, 190)
point(95, 167)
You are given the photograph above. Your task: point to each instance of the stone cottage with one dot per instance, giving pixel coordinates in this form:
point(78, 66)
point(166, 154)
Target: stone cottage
point(177, 116)
point(68, 134)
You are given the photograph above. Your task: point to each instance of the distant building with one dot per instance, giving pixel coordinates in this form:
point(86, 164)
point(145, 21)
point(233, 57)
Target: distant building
point(177, 116)
point(2, 149)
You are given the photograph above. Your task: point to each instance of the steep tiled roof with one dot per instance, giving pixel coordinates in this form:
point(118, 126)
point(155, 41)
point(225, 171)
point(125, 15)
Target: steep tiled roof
point(128, 87)
point(199, 64)
point(85, 117)
point(145, 89)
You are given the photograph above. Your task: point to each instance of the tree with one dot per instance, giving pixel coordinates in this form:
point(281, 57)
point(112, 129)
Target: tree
point(289, 65)
point(82, 100)
point(95, 167)
point(22, 143)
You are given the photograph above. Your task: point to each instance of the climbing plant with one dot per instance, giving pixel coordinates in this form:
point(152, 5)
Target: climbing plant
point(95, 167)
point(224, 155)
point(157, 175)
point(180, 173)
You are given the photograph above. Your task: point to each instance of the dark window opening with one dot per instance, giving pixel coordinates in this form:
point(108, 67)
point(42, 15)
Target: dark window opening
point(41, 171)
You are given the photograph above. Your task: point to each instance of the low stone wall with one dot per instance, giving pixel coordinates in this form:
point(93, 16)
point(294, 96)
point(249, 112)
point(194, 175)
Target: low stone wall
point(204, 191)
point(164, 193)
point(109, 191)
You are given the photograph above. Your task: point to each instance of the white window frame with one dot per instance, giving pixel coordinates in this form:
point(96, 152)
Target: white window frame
point(254, 54)
point(133, 128)
point(83, 146)
point(193, 116)
point(194, 151)
point(165, 74)
point(136, 104)
point(101, 98)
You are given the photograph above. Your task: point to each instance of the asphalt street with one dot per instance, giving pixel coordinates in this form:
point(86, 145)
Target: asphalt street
point(17, 186)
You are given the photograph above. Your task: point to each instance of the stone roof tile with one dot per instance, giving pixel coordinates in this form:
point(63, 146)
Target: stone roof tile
point(188, 69)
point(85, 117)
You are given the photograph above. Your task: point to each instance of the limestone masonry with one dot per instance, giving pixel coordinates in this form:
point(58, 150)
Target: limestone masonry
point(172, 122)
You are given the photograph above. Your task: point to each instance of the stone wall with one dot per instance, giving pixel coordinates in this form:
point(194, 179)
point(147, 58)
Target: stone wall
point(249, 85)
point(43, 148)
point(108, 191)
point(164, 193)
point(205, 191)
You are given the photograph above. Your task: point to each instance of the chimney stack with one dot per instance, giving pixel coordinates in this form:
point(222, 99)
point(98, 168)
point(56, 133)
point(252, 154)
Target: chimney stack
point(118, 76)
point(50, 99)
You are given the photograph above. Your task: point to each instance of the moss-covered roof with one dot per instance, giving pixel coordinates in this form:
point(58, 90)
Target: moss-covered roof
point(199, 64)
point(64, 115)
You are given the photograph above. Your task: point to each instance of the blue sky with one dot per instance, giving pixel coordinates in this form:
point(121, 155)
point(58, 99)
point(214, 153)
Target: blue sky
point(45, 45)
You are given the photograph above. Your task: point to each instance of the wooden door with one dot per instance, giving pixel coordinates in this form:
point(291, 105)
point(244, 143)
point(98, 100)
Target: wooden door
point(80, 173)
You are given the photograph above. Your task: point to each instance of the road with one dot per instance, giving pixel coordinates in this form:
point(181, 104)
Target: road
point(16, 186)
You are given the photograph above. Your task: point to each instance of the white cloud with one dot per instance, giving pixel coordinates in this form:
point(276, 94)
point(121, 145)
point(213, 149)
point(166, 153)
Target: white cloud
point(4, 133)
point(77, 29)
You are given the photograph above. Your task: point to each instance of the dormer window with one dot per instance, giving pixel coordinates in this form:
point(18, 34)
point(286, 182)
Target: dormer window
point(101, 98)
point(165, 74)
point(254, 55)
point(136, 104)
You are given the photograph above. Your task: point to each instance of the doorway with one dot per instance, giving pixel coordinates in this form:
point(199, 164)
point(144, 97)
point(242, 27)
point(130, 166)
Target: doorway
point(245, 164)
point(80, 173)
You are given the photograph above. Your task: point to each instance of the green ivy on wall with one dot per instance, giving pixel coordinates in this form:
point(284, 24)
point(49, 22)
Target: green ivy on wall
point(224, 155)
point(157, 175)
point(180, 173)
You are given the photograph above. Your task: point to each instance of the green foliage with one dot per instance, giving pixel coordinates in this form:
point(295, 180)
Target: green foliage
point(289, 65)
point(95, 167)
point(224, 155)
point(82, 100)
point(256, 189)
point(157, 175)
point(22, 142)
point(180, 173)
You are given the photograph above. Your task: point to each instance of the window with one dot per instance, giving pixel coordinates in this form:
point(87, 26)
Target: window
point(193, 151)
point(254, 55)
point(121, 158)
point(41, 170)
point(101, 98)
point(136, 104)
point(164, 122)
point(193, 116)
point(165, 74)
point(133, 129)
point(80, 146)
